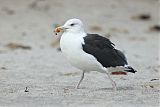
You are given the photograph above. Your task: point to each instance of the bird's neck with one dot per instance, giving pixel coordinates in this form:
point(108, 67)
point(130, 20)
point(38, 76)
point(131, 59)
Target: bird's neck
point(71, 42)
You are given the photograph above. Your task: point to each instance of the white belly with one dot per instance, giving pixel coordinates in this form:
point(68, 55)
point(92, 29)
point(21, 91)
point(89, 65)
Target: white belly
point(72, 49)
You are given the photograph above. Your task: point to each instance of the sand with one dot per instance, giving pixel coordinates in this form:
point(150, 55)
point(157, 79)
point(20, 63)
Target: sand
point(29, 59)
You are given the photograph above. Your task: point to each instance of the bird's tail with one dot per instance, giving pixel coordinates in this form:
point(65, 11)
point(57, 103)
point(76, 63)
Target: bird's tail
point(130, 69)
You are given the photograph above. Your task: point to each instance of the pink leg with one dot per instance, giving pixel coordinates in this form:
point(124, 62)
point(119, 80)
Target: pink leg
point(112, 82)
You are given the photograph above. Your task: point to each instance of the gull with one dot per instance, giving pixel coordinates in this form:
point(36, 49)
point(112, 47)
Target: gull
point(90, 52)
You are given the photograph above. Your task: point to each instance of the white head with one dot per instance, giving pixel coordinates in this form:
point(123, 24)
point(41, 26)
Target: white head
point(72, 26)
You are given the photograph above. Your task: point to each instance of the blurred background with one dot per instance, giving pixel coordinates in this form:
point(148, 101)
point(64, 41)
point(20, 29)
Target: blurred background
point(29, 55)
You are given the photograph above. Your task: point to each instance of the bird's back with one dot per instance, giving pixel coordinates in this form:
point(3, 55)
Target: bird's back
point(103, 50)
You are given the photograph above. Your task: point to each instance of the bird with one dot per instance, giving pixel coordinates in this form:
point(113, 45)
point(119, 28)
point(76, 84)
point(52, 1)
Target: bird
point(90, 52)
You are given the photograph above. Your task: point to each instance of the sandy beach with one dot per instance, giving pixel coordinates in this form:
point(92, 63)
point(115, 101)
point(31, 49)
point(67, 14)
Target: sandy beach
point(33, 73)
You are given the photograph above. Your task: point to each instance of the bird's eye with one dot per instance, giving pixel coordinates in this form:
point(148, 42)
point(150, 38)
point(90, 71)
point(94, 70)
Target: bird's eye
point(72, 24)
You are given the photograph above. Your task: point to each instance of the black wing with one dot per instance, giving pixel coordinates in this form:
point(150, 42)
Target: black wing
point(103, 50)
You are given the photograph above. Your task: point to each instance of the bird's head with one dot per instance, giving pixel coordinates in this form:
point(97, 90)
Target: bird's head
point(72, 25)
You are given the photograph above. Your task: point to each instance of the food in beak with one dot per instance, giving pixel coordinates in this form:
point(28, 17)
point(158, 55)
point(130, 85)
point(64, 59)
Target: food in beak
point(57, 30)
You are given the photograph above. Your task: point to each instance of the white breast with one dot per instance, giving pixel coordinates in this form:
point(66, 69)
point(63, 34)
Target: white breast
point(71, 46)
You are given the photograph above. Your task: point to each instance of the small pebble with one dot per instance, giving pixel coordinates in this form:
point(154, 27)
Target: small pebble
point(4, 68)
point(144, 17)
point(155, 28)
point(154, 79)
point(26, 90)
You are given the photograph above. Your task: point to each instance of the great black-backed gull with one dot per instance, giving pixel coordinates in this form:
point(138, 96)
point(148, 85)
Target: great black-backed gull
point(90, 52)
